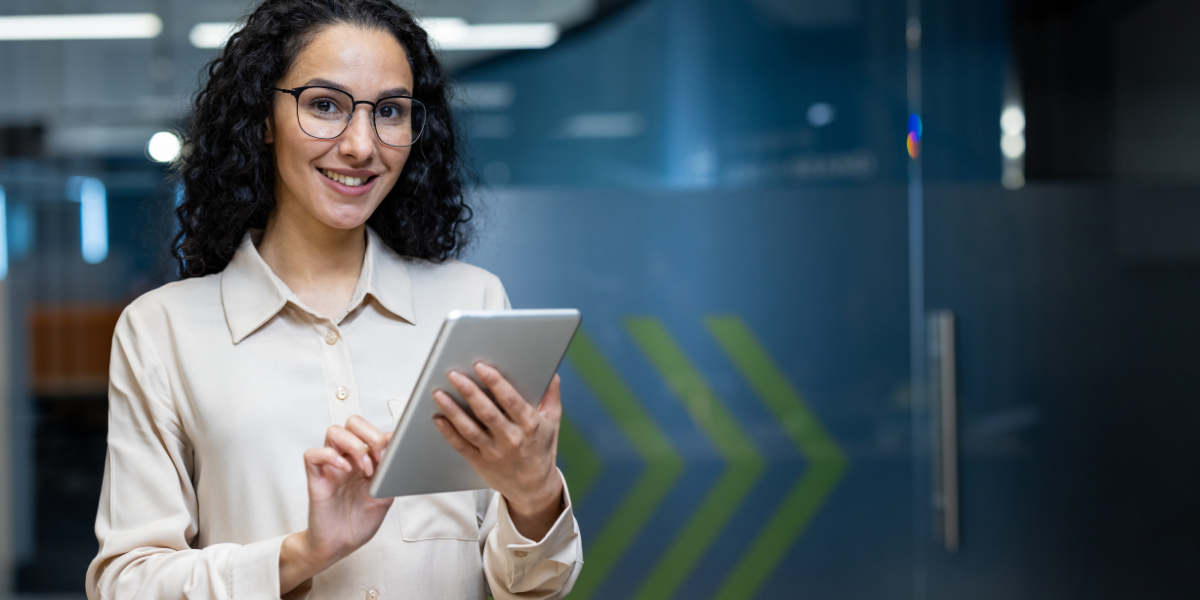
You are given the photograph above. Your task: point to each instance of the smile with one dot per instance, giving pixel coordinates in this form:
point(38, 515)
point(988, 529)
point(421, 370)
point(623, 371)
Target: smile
point(345, 180)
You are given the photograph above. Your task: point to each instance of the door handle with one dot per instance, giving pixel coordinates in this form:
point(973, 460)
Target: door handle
point(943, 397)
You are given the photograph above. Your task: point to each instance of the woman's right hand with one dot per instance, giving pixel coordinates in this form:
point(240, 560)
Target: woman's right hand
point(342, 515)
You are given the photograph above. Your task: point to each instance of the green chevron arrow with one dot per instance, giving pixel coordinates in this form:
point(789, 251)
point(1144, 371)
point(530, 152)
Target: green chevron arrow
point(743, 467)
point(663, 464)
point(582, 464)
point(827, 462)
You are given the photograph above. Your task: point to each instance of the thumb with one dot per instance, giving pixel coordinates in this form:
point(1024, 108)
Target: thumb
point(551, 405)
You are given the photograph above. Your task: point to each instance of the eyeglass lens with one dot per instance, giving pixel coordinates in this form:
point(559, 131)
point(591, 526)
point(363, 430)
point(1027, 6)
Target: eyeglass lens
point(325, 113)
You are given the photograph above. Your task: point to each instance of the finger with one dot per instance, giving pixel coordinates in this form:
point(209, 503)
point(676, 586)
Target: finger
point(457, 441)
point(317, 458)
point(367, 432)
point(463, 423)
point(519, 411)
point(551, 405)
point(351, 446)
point(485, 410)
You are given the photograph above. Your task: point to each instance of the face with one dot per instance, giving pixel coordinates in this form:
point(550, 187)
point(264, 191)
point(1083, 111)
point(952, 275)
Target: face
point(339, 182)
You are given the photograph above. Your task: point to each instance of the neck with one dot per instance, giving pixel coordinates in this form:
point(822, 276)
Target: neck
point(320, 264)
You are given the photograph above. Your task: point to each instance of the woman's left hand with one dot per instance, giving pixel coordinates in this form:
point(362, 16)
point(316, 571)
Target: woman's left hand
point(515, 453)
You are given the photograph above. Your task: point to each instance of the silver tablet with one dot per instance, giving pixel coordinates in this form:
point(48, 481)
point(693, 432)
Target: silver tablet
point(526, 346)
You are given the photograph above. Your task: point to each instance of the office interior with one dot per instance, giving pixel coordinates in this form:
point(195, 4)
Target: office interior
point(883, 299)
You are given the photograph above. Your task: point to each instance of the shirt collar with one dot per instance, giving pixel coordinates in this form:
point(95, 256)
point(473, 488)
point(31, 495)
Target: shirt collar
point(251, 293)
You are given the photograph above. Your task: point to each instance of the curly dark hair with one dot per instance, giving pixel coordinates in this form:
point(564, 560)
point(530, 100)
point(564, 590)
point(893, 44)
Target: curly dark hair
point(228, 173)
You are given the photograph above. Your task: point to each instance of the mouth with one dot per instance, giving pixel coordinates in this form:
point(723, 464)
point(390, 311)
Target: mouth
point(345, 179)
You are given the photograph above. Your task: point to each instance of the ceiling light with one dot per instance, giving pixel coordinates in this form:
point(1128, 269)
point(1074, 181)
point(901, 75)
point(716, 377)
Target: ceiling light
point(80, 27)
point(506, 36)
point(445, 30)
point(1012, 145)
point(446, 33)
point(1012, 120)
point(212, 35)
point(164, 146)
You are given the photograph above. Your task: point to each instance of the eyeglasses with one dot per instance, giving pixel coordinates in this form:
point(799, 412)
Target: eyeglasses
point(325, 113)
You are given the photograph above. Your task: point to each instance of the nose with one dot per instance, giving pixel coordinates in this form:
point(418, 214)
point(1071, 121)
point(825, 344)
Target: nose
point(358, 141)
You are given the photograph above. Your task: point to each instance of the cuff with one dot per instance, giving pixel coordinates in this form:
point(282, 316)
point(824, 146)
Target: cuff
point(521, 555)
point(254, 570)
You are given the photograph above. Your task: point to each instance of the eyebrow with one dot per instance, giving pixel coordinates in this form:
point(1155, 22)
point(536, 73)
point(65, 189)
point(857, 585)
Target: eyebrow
point(399, 91)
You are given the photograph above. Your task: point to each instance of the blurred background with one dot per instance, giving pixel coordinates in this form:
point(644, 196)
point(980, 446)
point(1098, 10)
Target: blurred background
point(883, 298)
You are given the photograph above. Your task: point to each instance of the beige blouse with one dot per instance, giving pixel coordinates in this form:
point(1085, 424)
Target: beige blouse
point(219, 384)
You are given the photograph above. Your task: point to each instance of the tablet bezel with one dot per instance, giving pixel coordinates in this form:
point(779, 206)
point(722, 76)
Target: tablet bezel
point(543, 335)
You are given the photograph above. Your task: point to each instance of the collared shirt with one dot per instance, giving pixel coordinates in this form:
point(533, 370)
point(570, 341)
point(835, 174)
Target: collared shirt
point(219, 384)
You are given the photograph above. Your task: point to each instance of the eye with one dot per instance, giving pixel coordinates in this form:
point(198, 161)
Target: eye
point(322, 106)
point(390, 111)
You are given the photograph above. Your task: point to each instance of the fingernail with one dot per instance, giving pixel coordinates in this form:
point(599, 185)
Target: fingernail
point(458, 379)
point(344, 464)
point(485, 370)
point(440, 397)
point(440, 424)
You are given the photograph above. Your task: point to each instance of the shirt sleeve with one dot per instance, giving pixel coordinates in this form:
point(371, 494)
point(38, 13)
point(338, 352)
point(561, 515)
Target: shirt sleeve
point(519, 568)
point(147, 517)
point(495, 297)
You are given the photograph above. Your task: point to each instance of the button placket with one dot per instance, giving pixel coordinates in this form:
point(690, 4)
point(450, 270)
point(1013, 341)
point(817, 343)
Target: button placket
point(372, 593)
point(340, 383)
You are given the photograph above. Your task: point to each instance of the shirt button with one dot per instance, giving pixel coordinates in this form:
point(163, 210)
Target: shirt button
point(520, 554)
point(372, 595)
point(343, 393)
point(331, 338)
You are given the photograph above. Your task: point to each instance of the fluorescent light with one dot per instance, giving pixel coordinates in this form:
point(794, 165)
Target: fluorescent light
point(456, 34)
point(3, 235)
point(447, 33)
point(506, 36)
point(444, 30)
point(93, 216)
point(81, 27)
point(1012, 120)
point(212, 35)
point(164, 146)
point(1012, 145)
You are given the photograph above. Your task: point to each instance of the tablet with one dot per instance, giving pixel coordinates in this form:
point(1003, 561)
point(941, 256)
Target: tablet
point(526, 346)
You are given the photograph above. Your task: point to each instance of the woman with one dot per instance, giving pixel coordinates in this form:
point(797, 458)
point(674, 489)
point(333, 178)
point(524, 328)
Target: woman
point(322, 204)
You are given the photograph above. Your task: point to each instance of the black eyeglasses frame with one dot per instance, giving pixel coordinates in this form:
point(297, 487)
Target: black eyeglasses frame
point(296, 92)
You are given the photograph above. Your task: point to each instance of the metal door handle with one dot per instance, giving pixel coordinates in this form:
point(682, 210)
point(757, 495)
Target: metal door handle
point(944, 427)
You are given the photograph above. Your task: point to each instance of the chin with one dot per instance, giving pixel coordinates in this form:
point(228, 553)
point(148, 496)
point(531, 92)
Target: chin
point(345, 221)
point(345, 214)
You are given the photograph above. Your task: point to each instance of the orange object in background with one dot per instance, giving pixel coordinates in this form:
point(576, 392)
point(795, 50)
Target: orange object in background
point(69, 348)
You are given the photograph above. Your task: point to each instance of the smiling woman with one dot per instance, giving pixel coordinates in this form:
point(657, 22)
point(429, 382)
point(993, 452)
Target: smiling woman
point(229, 175)
point(248, 401)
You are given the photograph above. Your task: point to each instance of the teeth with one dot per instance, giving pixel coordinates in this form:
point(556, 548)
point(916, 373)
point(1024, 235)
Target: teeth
point(344, 180)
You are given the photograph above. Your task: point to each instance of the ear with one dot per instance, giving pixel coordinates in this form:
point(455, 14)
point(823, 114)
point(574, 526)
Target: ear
point(269, 134)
